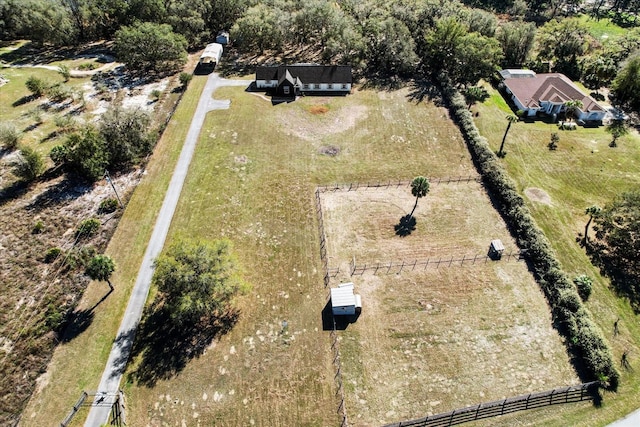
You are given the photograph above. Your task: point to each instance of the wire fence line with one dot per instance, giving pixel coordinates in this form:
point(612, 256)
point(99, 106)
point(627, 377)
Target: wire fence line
point(335, 353)
point(397, 267)
point(335, 350)
point(354, 186)
point(557, 396)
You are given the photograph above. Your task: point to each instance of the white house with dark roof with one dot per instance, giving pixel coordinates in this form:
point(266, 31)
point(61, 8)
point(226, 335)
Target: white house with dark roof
point(292, 80)
point(548, 93)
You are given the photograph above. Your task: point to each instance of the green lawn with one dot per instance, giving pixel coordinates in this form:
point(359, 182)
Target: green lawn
point(602, 29)
point(582, 172)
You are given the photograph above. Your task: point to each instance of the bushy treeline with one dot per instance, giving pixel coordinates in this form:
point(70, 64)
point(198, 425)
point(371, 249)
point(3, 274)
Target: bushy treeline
point(121, 140)
point(587, 346)
point(67, 22)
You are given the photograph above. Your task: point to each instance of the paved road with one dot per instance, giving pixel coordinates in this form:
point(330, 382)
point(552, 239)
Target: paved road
point(110, 382)
point(631, 420)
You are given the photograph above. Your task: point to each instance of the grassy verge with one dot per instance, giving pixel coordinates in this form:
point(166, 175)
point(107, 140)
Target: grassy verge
point(78, 365)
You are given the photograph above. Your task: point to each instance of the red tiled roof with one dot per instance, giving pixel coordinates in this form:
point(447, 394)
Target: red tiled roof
point(553, 87)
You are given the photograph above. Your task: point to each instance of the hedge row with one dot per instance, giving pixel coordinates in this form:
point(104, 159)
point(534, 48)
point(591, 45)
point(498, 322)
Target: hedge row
point(585, 343)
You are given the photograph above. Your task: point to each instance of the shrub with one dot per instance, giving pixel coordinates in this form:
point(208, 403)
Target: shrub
point(59, 93)
point(65, 123)
point(52, 254)
point(88, 227)
point(64, 71)
point(30, 165)
point(553, 144)
point(156, 94)
point(36, 86)
point(59, 154)
point(108, 206)
point(185, 78)
point(10, 136)
point(87, 66)
point(38, 228)
point(584, 285)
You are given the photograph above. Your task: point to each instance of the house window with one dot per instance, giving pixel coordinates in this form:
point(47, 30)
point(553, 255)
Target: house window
point(305, 86)
point(286, 90)
point(316, 86)
point(329, 86)
point(268, 82)
point(344, 86)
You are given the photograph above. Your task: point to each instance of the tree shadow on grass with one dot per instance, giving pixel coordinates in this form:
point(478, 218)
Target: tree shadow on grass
point(623, 275)
point(406, 226)
point(164, 348)
point(80, 320)
point(425, 90)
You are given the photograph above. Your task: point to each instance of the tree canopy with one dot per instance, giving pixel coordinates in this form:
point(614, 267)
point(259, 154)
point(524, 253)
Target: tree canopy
point(618, 232)
point(198, 279)
point(626, 85)
point(148, 46)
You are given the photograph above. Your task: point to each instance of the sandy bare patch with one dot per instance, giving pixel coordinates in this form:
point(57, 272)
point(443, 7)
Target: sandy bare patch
point(454, 219)
point(310, 126)
point(538, 195)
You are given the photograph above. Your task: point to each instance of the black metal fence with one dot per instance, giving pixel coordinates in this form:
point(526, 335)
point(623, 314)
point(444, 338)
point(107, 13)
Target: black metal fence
point(557, 396)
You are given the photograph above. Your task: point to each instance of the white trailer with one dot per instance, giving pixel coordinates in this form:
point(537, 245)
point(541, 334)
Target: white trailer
point(211, 55)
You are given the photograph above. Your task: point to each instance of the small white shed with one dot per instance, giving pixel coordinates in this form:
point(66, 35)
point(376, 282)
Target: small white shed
point(496, 249)
point(212, 54)
point(344, 302)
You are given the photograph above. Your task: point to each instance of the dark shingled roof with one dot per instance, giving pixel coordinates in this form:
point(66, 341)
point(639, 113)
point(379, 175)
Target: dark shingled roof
point(308, 74)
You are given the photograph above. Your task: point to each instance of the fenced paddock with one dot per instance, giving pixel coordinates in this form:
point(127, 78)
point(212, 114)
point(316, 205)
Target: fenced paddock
point(557, 396)
point(432, 339)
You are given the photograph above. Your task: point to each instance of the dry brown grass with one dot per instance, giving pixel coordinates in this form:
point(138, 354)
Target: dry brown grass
point(433, 340)
point(318, 109)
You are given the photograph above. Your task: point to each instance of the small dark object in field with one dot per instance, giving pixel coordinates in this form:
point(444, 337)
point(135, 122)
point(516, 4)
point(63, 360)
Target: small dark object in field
point(330, 150)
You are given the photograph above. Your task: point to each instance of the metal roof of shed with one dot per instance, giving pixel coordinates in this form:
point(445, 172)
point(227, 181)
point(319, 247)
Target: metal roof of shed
point(343, 296)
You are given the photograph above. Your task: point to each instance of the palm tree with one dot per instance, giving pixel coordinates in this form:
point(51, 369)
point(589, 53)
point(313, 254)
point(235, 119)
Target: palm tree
point(100, 268)
point(570, 108)
point(419, 188)
point(511, 119)
point(592, 211)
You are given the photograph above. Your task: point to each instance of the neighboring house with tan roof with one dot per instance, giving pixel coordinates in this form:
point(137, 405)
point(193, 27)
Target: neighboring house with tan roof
point(548, 93)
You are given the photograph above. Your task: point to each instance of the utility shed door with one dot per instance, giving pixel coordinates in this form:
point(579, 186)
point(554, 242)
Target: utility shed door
point(343, 301)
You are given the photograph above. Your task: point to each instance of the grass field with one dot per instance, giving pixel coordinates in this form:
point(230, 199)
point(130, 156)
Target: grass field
point(437, 339)
point(582, 172)
point(252, 180)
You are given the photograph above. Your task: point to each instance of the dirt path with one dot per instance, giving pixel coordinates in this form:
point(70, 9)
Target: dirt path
point(116, 364)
